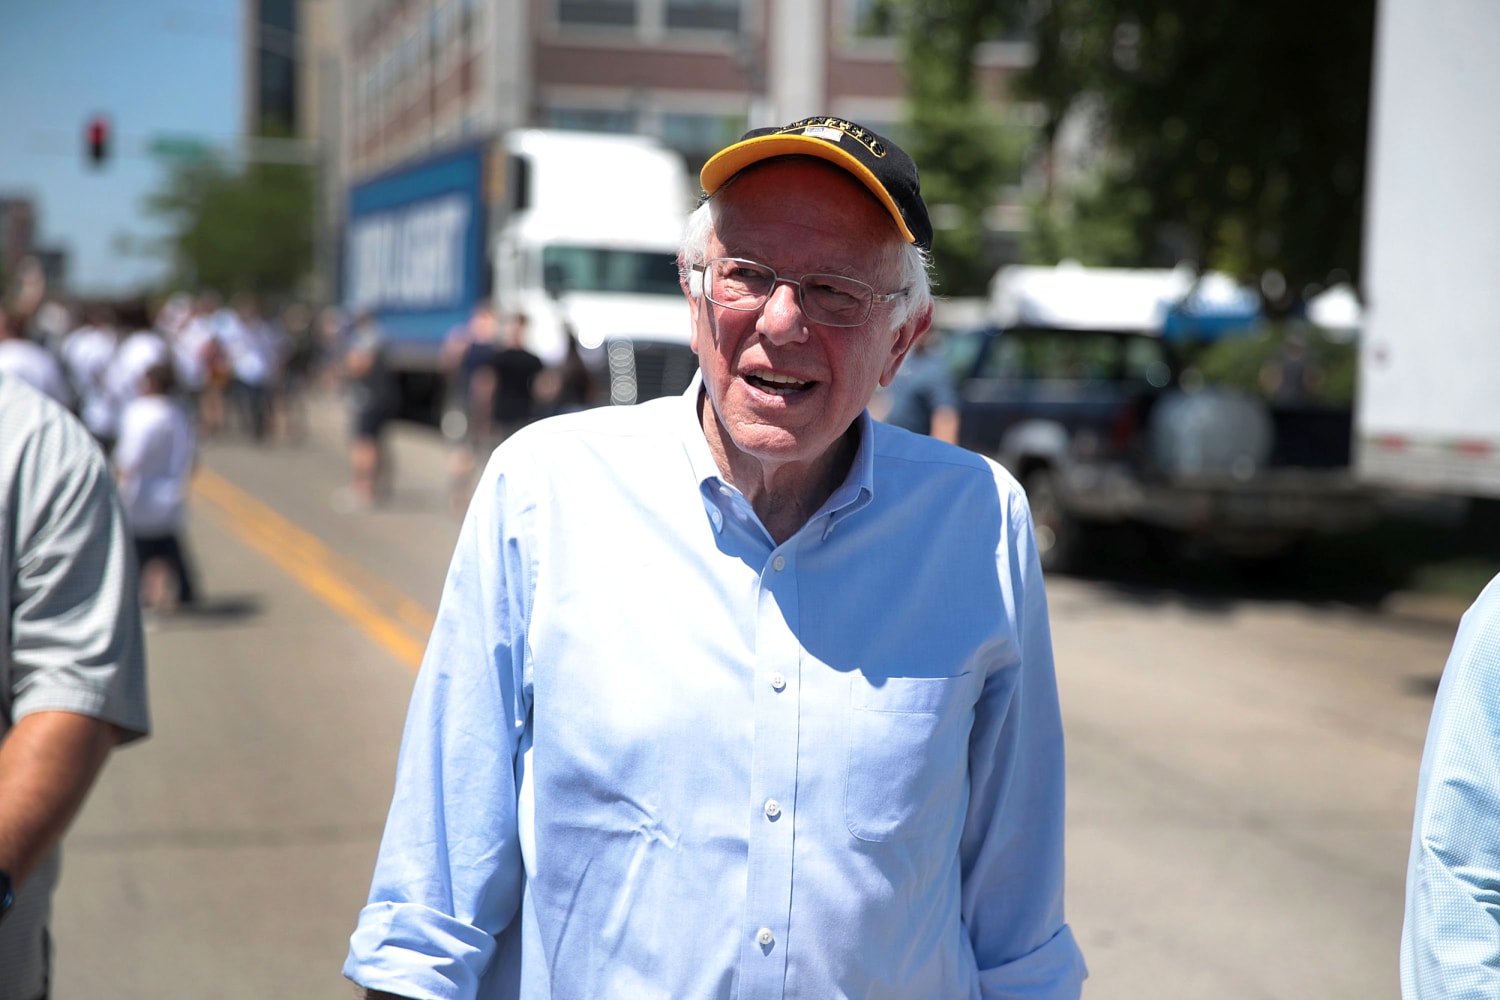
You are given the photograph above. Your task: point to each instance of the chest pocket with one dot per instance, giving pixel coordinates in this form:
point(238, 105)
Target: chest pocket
point(908, 755)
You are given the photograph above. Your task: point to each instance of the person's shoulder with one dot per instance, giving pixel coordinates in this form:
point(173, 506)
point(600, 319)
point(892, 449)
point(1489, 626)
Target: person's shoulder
point(898, 447)
point(951, 476)
point(30, 416)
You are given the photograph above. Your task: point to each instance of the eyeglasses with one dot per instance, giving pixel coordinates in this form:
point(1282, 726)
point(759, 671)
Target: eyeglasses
point(827, 299)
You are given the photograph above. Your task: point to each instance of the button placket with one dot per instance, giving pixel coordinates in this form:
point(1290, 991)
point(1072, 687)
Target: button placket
point(773, 781)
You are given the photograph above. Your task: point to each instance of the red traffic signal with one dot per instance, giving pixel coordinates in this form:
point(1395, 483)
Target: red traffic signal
point(96, 140)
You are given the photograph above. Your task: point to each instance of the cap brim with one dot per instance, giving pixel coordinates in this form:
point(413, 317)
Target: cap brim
point(732, 159)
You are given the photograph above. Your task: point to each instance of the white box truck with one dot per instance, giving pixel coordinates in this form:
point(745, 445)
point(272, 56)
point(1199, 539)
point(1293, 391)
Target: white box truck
point(585, 243)
point(1428, 409)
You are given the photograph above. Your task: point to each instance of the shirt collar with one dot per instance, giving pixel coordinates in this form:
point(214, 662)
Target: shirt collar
point(854, 493)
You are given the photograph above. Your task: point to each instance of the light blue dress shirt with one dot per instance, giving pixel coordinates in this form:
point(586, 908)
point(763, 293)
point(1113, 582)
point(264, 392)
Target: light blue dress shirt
point(651, 753)
point(1450, 944)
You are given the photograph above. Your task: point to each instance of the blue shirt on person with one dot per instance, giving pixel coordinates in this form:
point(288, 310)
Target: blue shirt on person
point(650, 753)
point(1450, 942)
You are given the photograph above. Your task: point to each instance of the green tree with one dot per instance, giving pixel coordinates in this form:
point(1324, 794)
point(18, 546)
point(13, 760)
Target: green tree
point(967, 153)
point(1237, 132)
point(237, 229)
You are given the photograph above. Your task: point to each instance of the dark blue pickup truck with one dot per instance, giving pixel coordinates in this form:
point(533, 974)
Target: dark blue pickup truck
point(1109, 426)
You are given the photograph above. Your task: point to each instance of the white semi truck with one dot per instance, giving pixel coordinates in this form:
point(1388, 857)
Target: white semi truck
point(577, 230)
point(1428, 410)
point(585, 244)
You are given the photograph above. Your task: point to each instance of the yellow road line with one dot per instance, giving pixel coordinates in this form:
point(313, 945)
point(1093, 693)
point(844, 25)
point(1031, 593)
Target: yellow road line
point(392, 619)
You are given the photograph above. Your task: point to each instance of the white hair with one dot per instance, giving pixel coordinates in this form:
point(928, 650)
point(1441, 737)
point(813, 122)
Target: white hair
point(702, 224)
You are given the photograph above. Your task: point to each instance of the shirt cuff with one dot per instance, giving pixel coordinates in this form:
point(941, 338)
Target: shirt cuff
point(1055, 971)
point(414, 951)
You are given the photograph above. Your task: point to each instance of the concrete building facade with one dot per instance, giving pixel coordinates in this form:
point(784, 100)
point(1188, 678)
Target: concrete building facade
point(422, 75)
point(362, 87)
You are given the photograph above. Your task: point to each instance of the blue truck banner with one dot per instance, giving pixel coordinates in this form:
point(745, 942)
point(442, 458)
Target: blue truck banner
point(414, 246)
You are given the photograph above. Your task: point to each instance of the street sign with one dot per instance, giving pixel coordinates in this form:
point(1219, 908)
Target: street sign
point(178, 147)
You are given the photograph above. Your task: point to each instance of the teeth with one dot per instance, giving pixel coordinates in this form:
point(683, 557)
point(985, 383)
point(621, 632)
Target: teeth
point(778, 379)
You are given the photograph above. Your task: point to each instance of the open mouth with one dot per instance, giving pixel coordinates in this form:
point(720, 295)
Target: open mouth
point(777, 385)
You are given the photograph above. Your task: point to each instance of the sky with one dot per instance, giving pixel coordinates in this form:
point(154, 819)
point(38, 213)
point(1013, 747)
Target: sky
point(154, 67)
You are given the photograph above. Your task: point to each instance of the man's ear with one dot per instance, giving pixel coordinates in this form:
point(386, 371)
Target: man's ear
point(690, 280)
point(906, 338)
point(692, 287)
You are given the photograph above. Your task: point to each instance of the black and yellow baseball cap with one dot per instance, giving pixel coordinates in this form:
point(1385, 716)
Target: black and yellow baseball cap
point(878, 163)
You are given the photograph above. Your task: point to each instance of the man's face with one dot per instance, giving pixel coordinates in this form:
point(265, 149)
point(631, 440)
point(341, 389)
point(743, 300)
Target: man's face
point(798, 217)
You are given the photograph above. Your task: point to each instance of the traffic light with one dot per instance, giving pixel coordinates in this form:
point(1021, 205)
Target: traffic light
point(96, 141)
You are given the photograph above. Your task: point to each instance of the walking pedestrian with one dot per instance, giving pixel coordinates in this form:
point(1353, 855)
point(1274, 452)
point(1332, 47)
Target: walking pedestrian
point(72, 658)
point(371, 393)
point(31, 362)
point(154, 461)
point(88, 354)
point(741, 693)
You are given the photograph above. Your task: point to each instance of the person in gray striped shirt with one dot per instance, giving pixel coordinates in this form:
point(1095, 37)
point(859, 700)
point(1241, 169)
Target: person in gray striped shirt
point(72, 657)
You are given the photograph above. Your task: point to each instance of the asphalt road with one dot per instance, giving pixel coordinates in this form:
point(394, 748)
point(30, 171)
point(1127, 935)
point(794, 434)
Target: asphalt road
point(1241, 764)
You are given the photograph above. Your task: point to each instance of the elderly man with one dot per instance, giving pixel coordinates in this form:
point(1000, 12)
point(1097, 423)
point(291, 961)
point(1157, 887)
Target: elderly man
point(741, 694)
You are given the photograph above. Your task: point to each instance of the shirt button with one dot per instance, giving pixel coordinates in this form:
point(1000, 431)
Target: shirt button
point(778, 564)
point(765, 937)
point(778, 680)
point(773, 808)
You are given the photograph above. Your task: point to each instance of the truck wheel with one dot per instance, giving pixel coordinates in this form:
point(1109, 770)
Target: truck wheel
point(1058, 533)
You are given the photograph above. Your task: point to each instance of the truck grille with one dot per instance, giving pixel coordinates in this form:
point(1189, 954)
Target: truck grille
point(642, 370)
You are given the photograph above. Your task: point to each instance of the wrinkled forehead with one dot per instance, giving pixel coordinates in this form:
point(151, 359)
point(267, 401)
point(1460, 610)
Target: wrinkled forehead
point(796, 205)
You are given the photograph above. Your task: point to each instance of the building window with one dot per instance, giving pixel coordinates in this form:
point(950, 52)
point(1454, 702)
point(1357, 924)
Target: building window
point(699, 136)
point(606, 12)
point(279, 14)
point(592, 119)
point(874, 18)
point(704, 15)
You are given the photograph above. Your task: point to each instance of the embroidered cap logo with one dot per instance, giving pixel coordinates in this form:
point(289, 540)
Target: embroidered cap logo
point(821, 127)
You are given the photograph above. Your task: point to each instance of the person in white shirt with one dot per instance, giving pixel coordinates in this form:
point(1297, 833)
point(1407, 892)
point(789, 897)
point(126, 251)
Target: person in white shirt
point(143, 348)
point(154, 459)
point(87, 354)
point(254, 350)
point(31, 362)
point(203, 363)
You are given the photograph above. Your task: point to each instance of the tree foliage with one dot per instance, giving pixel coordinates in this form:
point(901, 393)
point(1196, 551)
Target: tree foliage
point(237, 229)
point(1237, 132)
point(966, 153)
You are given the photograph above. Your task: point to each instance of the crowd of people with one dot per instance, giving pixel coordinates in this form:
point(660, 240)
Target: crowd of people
point(497, 385)
point(147, 381)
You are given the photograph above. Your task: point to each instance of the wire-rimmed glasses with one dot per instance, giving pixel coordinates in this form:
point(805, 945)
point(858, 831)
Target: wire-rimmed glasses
point(826, 299)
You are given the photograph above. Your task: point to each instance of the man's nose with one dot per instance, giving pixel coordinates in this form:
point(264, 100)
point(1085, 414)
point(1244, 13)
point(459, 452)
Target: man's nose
point(781, 319)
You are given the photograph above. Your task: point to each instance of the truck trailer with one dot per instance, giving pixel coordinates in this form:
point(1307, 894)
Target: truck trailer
point(578, 231)
point(1428, 409)
point(415, 259)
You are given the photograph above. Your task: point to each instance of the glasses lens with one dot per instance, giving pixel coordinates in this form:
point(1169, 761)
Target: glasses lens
point(836, 300)
point(830, 299)
point(739, 284)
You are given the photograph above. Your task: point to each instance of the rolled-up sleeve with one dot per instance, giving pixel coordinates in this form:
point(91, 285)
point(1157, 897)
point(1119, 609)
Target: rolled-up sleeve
point(449, 875)
point(1012, 846)
point(75, 640)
